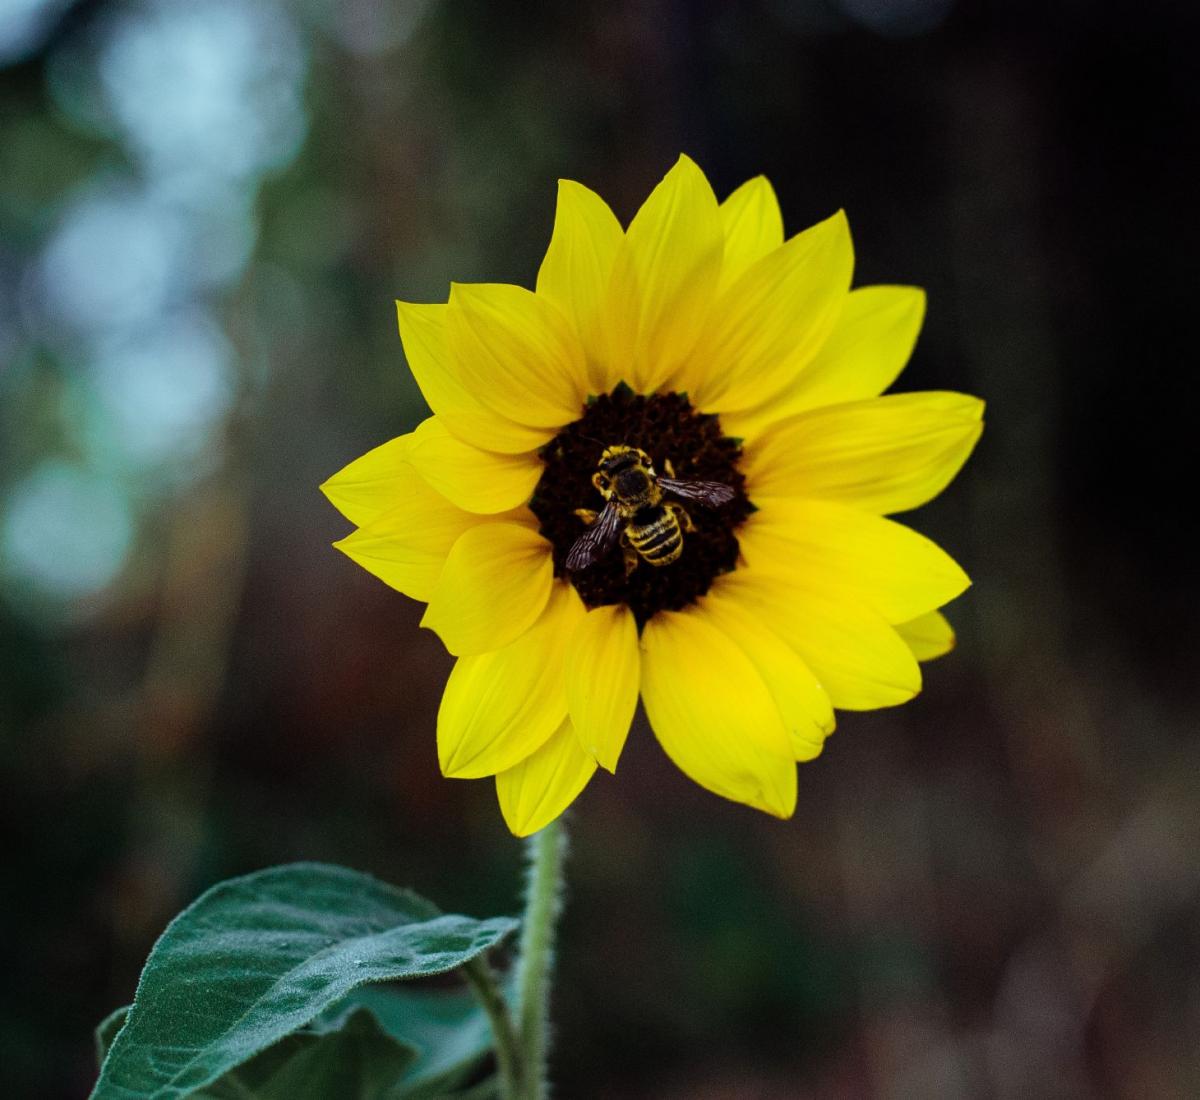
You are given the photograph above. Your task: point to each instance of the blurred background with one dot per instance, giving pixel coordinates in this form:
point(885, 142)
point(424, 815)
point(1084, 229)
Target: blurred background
point(206, 210)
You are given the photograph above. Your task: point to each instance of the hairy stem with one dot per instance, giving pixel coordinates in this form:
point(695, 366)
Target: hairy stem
point(543, 901)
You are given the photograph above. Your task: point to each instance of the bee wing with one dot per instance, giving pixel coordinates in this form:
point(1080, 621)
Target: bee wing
point(712, 494)
point(597, 540)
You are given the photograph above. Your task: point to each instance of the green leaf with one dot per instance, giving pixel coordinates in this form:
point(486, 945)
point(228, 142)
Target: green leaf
point(357, 1060)
point(395, 1043)
point(447, 1030)
point(450, 1029)
point(106, 1032)
point(257, 958)
point(349, 1055)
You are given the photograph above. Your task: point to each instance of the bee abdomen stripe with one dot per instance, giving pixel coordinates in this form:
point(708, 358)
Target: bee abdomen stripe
point(660, 548)
point(652, 534)
point(655, 539)
point(664, 556)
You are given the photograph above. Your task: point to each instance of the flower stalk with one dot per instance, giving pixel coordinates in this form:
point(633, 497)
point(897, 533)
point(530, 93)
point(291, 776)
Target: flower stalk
point(543, 903)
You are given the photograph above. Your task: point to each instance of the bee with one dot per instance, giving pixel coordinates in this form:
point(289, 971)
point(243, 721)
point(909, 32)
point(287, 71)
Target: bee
point(636, 515)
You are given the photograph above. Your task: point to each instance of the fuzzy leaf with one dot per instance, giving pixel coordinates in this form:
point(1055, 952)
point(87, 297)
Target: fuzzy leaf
point(259, 958)
point(402, 1044)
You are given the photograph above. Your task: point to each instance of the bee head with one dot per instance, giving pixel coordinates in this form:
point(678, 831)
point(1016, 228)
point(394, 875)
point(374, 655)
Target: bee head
point(626, 485)
point(626, 472)
point(632, 482)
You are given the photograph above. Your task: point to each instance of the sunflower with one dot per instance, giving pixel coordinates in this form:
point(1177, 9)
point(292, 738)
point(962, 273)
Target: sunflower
point(701, 347)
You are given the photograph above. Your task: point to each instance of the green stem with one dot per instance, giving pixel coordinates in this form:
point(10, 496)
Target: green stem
point(543, 901)
point(508, 1050)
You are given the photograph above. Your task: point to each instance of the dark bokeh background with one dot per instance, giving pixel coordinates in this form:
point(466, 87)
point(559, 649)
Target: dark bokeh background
point(206, 209)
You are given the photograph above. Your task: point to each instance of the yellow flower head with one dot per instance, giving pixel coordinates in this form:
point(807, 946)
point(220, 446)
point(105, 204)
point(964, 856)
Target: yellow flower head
point(664, 473)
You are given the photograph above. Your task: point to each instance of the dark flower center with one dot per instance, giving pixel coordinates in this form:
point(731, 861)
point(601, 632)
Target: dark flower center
point(667, 428)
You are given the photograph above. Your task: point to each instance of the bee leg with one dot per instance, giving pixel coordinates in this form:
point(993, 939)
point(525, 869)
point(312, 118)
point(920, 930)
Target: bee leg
point(685, 521)
point(668, 467)
point(629, 554)
point(587, 515)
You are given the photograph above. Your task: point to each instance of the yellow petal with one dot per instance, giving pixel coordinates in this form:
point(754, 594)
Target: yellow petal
point(712, 713)
point(860, 661)
point(675, 243)
point(622, 316)
point(929, 636)
point(753, 226)
point(479, 481)
point(886, 454)
point(493, 587)
point(847, 553)
point(602, 680)
point(515, 352)
point(577, 272)
point(803, 704)
point(543, 785)
point(867, 349)
point(427, 349)
point(407, 546)
point(371, 484)
point(771, 322)
point(501, 706)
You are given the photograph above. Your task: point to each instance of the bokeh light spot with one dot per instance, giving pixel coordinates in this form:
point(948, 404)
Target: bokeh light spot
point(112, 261)
point(66, 531)
point(164, 391)
point(206, 92)
point(23, 25)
